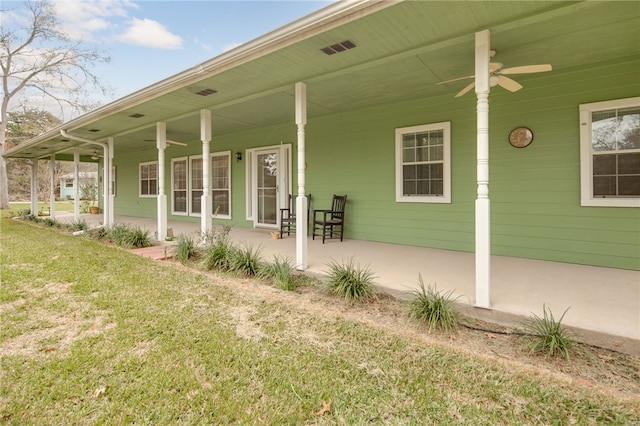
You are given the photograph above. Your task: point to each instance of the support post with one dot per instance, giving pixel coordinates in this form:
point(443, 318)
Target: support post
point(206, 205)
point(483, 216)
point(34, 187)
point(52, 190)
point(106, 168)
point(76, 184)
point(110, 184)
point(161, 144)
point(301, 201)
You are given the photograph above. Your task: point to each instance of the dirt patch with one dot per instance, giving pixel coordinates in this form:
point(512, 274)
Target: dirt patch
point(610, 371)
point(52, 324)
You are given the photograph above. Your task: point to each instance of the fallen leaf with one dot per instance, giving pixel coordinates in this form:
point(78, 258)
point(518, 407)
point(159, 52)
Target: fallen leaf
point(99, 392)
point(326, 407)
point(50, 349)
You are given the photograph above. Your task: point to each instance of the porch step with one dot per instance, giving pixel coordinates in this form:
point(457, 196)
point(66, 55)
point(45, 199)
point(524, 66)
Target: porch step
point(160, 252)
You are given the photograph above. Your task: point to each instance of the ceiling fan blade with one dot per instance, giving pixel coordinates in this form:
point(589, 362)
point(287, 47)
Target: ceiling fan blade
point(457, 79)
point(526, 69)
point(176, 143)
point(509, 84)
point(466, 89)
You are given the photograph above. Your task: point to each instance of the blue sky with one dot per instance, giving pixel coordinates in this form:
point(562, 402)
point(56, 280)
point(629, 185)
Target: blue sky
point(151, 40)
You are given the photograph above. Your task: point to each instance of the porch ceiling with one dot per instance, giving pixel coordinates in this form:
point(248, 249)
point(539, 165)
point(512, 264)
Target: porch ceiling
point(402, 52)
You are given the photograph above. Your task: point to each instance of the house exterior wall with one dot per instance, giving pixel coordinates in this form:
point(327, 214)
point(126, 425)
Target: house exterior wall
point(71, 191)
point(534, 191)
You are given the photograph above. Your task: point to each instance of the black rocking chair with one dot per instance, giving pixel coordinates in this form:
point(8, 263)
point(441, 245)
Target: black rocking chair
point(330, 223)
point(288, 215)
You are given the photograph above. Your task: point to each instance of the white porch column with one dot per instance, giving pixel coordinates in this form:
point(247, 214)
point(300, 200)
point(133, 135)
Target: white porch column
point(205, 203)
point(483, 216)
point(52, 191)
point(106, 172)
point(76, 184)
point(111, 190)
point(301, 200)
point(34, 187)
point(161, 144)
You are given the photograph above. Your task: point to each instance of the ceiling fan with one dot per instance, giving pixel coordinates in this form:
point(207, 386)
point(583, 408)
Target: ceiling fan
point(497, 76)
point(169, 142)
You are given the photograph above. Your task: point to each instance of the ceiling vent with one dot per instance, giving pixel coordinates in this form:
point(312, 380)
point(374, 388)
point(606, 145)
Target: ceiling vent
point(206, 92)
point(339, 47)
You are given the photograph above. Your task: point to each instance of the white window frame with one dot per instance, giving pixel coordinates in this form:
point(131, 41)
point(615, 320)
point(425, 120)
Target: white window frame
point(69, 183)
point(586, 155)
point(189, 189)
point(221, 154)
point(140, 194)
point(446, 161)
point(250, 181)
point(173, 208)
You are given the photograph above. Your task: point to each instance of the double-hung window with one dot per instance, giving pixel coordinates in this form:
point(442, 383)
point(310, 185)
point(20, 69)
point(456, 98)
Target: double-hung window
point(423, 163)
point(148, 179)
point(187, 185)
point(610, 153)
point(221, 184)
point(179, 185)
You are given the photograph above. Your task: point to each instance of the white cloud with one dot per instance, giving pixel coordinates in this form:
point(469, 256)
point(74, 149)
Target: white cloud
point(150, 33)
point(81, 19)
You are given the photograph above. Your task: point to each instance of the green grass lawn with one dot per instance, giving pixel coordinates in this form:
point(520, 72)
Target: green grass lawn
point(61, 206)
point(95, 335)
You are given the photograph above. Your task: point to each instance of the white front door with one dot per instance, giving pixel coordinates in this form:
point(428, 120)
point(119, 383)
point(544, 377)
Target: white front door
point(270, 182)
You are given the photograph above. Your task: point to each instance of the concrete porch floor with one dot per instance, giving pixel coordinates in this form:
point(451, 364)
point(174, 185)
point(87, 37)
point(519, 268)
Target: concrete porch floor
point(604, 303)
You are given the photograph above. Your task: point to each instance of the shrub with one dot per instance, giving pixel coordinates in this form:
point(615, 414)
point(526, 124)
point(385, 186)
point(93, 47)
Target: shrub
point(280, 271)
point(136, 238)
point(186, 248)
point(100, 233)
point(49, 222)
point(80, 225)
point(218, 249)
point(548, 334)
point(350, 281)
point(117, 233)
point(433, 307)
point(245, 261)
point(125, 236)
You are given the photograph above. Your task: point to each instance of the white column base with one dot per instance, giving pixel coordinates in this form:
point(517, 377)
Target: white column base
point(301, 233)
point(206, 221)
point(162, 217)
point(483, 253)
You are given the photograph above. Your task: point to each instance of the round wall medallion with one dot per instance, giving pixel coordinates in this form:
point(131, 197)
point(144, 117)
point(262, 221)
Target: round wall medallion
point(520, 137)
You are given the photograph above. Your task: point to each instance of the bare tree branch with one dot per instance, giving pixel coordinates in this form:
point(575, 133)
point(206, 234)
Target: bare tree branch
point(29, 62)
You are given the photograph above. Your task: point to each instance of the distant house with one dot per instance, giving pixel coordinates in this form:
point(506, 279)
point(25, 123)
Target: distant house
point(68, 189)
point(507, 129)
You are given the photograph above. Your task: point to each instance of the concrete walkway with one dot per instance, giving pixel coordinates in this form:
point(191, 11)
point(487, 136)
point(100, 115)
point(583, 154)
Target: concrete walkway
point(604, 303)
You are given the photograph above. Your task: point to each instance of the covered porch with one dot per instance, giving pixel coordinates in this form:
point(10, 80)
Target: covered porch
point(604, 303)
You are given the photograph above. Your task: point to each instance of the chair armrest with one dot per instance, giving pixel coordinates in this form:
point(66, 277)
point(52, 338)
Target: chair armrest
point(324, 212)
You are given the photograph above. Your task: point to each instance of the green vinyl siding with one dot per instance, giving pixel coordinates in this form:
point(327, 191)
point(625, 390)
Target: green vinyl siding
point(534, 191)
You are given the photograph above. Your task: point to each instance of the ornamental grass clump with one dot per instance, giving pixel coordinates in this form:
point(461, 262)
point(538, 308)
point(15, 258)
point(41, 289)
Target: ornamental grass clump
point(433, 307)
point(350, 281)
point(186, 248)
point(548, 335)
point(126, 236)
point(280, 271)
point(245, 261)
point(218, 249)
point(136, 238)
